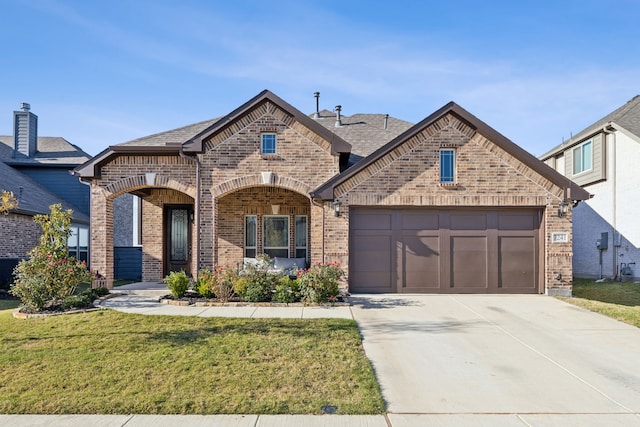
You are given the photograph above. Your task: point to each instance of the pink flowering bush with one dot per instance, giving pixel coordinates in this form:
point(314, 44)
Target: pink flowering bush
point(320, 283)
point(49, 274)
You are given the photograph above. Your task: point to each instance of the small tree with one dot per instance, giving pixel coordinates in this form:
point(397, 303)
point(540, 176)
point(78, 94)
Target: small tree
point(49, 275)
point(7, 202)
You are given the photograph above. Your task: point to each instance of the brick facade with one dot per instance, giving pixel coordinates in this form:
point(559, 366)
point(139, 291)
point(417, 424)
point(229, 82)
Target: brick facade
point(486, 176)
point(237, 180)
point(20, 234)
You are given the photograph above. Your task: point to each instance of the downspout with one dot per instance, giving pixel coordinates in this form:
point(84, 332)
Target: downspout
point(607, 131)
point(196, 160)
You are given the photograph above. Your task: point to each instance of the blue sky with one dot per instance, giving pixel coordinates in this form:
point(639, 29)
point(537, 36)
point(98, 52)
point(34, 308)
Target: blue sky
point(104, 72)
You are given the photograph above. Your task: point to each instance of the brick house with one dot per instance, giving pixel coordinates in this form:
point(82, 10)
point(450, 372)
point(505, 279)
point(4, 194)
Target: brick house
point(447, 205)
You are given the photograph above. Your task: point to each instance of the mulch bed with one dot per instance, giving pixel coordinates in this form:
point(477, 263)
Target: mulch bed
point(194, 299)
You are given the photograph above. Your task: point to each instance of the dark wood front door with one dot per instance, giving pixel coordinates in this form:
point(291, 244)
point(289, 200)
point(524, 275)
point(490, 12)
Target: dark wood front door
point(177, 254)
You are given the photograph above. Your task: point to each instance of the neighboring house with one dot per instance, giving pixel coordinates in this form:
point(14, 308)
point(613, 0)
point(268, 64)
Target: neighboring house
point(37, 171)
point(602, 159)
point(448, 205)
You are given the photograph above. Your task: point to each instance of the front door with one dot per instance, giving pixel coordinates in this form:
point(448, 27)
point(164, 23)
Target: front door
point(177, 254)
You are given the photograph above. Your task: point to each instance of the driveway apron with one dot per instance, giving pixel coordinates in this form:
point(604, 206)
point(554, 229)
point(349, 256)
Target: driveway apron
point(506, 354)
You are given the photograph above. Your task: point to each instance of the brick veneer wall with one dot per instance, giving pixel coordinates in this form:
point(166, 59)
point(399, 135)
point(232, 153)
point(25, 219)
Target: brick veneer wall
point(19, 235)
point(486, 176)
point(254, 201)
point(231, 166)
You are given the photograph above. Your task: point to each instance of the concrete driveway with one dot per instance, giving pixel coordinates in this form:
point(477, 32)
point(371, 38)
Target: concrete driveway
point(521, 360)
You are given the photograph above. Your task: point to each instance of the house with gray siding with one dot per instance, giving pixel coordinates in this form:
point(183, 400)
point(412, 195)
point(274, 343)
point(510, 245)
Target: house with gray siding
point(602, 158)
point(37, 171)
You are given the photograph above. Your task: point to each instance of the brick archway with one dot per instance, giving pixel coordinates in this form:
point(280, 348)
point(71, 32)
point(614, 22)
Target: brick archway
point(256, 180)
point(147, 180)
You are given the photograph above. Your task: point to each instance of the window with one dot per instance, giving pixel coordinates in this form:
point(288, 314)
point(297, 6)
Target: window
point(582, 158)
point(268, 145)
point(78, 243)
point(447, 166)
point(250, 236)
point(275, 236)
point(301, 236)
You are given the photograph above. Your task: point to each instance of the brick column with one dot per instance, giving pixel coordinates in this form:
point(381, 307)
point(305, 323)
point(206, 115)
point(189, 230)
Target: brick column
point(102, 234)
point(316, 233)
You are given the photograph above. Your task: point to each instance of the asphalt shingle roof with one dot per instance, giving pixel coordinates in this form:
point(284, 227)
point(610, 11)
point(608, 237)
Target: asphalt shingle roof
point(51, 151)
point(365, 132)
point(179, 135)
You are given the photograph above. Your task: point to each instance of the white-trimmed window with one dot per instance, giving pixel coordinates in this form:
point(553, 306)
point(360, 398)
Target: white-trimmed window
point(250, 236)
point(583, 157)
point(275, 236)
point(268, 143)
point(78, 243)
point(301, 236)
point(447, 166)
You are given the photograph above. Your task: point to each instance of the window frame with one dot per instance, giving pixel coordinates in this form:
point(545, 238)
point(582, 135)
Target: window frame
point(449, 179)
point(288, 235)
point(306, 236)
point(255, 237)
point(581, 149)
point(273, 145)
point(74, 247)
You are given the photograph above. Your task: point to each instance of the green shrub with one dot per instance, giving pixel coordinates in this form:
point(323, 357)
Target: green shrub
point(205, 283)
point(240, 286)
point(77, 301)
point(260, 281)
point(100, 291)
point(49, 275)
point(320, 283)
point(178, 283)
point(287, 290)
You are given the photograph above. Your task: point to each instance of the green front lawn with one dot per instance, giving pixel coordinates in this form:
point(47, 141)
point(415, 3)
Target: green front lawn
point(620, 301)
point(115, 363)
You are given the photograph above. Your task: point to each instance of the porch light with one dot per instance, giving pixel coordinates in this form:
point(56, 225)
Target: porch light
point(336, 207)
point(564, 207)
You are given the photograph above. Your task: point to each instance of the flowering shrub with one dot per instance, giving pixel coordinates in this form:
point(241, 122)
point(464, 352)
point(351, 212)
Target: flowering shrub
point(205, 284)
point(260, 281)
point(287, 290)
point(49, 275)
point(320, 283)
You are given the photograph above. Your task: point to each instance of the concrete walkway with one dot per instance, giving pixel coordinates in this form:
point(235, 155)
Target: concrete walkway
point(447, 360)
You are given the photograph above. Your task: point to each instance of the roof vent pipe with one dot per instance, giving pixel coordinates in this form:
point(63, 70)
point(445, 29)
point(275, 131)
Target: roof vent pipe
point(317, 113)
point(386, 121)
point(338, 119)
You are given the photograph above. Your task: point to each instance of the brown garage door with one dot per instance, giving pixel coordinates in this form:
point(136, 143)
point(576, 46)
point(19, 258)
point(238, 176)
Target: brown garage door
point(445, 251)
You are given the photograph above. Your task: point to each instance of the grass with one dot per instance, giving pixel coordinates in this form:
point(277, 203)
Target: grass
point(620, 301)
point(115, 363)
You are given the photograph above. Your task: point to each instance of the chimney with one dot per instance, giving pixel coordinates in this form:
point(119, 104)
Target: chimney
point(338, 119)
point(386, 121)
point(316, 115)
point(25, 131)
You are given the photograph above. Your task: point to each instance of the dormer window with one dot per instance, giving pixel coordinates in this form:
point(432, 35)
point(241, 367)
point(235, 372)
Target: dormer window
point(268, 143)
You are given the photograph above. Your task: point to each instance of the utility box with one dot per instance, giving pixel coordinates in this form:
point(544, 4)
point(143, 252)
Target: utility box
point(603, 242)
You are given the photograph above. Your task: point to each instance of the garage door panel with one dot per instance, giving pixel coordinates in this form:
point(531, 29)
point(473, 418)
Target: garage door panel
point(516, 254)
point(445, 251)
point(372, 260)
point(469, 221)
point(468, 262)
point(420, 262)
point(420, 221)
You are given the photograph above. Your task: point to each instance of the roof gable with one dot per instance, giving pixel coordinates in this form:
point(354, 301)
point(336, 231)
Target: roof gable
point(326, 191)
point(196, 143)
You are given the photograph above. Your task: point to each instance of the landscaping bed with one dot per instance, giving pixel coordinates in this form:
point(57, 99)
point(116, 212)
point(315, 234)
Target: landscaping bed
point(194, 299)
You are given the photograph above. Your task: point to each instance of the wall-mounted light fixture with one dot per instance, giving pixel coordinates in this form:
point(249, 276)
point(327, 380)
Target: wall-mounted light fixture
point(336, 207)
point(562, 210)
